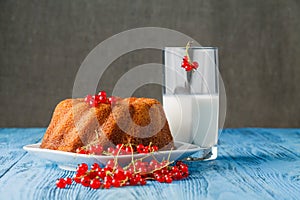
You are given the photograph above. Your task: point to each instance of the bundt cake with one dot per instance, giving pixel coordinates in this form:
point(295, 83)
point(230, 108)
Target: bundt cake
point(131, 120)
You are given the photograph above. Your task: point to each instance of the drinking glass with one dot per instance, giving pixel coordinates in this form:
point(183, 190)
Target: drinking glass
point(191, 98)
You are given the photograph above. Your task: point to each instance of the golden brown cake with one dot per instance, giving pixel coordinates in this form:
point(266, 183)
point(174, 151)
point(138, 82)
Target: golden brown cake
point(132, 120)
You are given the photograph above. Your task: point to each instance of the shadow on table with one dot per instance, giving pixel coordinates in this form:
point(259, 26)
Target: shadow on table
point(229, 162)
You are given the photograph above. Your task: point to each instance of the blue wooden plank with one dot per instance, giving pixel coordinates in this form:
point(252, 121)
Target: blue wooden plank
point(253, 163)
point(11, 142)
point(257, 157)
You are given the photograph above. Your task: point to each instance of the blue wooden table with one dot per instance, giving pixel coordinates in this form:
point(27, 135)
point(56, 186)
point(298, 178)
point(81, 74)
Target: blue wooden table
point(252, 163)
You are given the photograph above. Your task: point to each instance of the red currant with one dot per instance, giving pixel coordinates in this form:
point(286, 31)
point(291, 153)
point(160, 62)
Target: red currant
point(112, 100)
point(142, 169)
point(119, 174)
point(154, 148)
point(115, 152)
point(127, 174)
point(96, 149)
point(102, 99)
point(174, 169)
point(138, 177)
point(110, 149)
point(101, 174)
point(116, 182)
point(77, 178)
point(82, 168)
point(61, 183)
point(68, 181)
point(88, 98)
point(95, 183)
point(184, 168)
point(129, 150)
point(106, 184)
point(179, 162)
point(92, 174)
point(140, 148)
point(107, 178)
point(160, 179)
point(95, 167)
point(102, 94)
point(131, 169)
point(185, 58)
point(184, 63)
point(108, 169)
point(177, 176)
point(195, 65)
point(146, 149)
point(85, 181)
point(81, 150)
point(133, 181)
point(188, 67)
point(93, 103)
point(143, 181)
point(96, 98)
point(119, 146)
point(168, 179)
point(138, 163)
point(164, 171)
point(153, 163)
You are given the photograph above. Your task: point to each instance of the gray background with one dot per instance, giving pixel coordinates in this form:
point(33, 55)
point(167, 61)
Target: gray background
point(42, 44)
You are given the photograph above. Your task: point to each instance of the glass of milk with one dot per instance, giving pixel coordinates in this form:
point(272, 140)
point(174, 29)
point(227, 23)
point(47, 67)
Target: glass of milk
point(191, 99)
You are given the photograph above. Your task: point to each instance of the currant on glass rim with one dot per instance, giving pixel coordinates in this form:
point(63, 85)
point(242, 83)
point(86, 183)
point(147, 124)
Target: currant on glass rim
point(187, 63)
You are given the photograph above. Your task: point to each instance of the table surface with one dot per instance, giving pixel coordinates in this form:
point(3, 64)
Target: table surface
point(252, 163)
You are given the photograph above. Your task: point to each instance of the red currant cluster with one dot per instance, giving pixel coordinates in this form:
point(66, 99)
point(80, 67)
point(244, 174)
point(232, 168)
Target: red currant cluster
point(137, 173)
point(146, 149)
point(120, 149)
point(188, 65)
point(95, 100)
point(63, 182)
point(90, 149)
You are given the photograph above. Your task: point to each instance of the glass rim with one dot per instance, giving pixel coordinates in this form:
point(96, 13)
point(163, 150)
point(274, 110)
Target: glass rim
point(193, 47)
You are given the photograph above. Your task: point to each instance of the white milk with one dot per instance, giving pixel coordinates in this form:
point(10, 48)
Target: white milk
point(178, 109)
point(193, 118)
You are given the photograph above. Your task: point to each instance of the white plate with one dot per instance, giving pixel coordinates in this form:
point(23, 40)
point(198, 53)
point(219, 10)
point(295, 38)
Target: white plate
point(69, 160)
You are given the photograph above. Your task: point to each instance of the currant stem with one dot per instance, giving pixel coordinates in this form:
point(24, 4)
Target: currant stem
point(116, 158)
point(154, 157)
point(170, 154)
point(132, 160)
point(165, 165)
point(188, 45)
